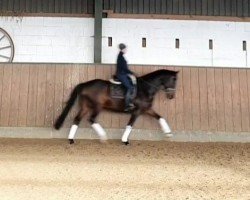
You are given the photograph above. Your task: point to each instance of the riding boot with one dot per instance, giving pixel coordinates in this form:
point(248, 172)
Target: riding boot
point(128, 101)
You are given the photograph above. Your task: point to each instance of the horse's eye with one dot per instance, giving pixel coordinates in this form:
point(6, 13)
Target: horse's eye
point(174, 78)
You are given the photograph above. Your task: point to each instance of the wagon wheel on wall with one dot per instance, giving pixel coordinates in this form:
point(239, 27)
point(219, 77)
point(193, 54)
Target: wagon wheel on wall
point(6, 47)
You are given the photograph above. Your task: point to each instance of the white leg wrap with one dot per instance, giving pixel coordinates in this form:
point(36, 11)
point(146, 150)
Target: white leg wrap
point(100, 131)
point(126, 133)
point(164, 126)
point(72, 131)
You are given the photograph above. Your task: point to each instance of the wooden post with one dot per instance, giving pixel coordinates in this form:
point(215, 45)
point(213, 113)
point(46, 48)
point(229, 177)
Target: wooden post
point(98, 32)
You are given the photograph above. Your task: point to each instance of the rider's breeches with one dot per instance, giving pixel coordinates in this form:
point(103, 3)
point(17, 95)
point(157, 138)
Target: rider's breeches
point(129, 87)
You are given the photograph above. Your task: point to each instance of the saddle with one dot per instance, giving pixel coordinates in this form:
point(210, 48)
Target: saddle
point(118, 91)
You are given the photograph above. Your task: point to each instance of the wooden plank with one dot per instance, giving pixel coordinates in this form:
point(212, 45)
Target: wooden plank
point(211, 85)
point(187, 99)
point(23, 96)
point(195, 95)
point(50, 95)
point(79, 7)
point(59, 90)
point(204, 7)
point(181, 7)
point(248, 86)
point(83, 73)
point(41, 89)
point(228, 104)
point(192, 7)
point(123, 8)
point(222, 8)
point(220, 111)
point(203, 98)
point(210, 8)
point(163, 7)
point(118, 6)
point(129, 6)
point(179, 106)
point(158, 7)
point(198, 7)
point(135, 6)
point(6, 92)
point(105, 4)
point(246, 8)
point(140, 7)
point(186, 7)
point(14, 97)
point(84, 6)
point(74, 82)
point(170, 7)
point(146, 6)
point(73, 6)
point(67, 90)
point(239, 5)
point(244, 101)
point(234, 7)
point(57, 6)
point(175, 6)
point(152, 7)
point(171, 108)
point(216, 7)
point(228, 7)
point(90, 6)
point(236, 100)
point(1, 87)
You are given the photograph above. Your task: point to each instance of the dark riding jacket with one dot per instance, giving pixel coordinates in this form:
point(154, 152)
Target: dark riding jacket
point(122, 66)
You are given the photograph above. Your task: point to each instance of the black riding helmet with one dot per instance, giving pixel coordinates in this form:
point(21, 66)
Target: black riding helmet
point(122, 46)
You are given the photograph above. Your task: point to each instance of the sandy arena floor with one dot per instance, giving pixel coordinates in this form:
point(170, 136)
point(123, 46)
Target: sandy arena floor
point(52, 169)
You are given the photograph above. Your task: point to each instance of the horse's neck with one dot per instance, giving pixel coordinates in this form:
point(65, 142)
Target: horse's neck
point(151, 85)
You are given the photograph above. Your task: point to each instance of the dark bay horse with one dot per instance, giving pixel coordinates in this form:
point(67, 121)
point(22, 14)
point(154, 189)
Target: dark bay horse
point(93, 97)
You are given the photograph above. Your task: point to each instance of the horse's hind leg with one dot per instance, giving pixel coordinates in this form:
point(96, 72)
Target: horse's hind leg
point(96, 126)
point(74, 127)
point(128, 129)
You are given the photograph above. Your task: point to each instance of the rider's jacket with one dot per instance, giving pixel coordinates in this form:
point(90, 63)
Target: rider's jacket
point(122, 66)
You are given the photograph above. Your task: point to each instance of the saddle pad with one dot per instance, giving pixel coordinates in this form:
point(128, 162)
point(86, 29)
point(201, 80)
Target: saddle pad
point(117, 91)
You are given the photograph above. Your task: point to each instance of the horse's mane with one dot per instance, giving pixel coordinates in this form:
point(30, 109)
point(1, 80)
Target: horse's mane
point(158, 73)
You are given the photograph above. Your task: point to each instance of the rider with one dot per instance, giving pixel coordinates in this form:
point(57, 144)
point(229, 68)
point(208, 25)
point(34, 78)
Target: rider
point(122, 73)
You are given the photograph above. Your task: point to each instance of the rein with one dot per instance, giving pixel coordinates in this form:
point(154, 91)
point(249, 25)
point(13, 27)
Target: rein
point(167, 91)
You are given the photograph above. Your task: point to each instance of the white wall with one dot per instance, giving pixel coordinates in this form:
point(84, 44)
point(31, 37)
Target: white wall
point(46, 39)
point(70, 40)
point(194, 42)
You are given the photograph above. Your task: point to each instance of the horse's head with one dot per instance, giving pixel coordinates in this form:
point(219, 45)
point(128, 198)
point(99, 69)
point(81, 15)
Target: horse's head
point(169, 84)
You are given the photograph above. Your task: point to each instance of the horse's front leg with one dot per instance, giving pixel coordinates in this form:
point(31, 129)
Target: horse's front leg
point(128, 129)
point(163, 123)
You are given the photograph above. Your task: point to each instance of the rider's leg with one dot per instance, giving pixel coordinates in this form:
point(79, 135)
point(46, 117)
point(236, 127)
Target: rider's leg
point(129, 90)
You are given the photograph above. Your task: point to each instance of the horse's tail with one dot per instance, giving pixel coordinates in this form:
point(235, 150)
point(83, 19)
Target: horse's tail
point(68, 107)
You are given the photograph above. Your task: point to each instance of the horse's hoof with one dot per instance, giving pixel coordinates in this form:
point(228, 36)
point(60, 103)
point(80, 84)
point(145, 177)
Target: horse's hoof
point(71, 141)
point(125, 143)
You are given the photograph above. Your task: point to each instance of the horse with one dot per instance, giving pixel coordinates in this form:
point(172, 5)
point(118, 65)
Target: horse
point(94, 96)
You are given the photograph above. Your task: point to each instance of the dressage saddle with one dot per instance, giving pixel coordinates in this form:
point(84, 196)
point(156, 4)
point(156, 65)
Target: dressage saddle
point(118, 91)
